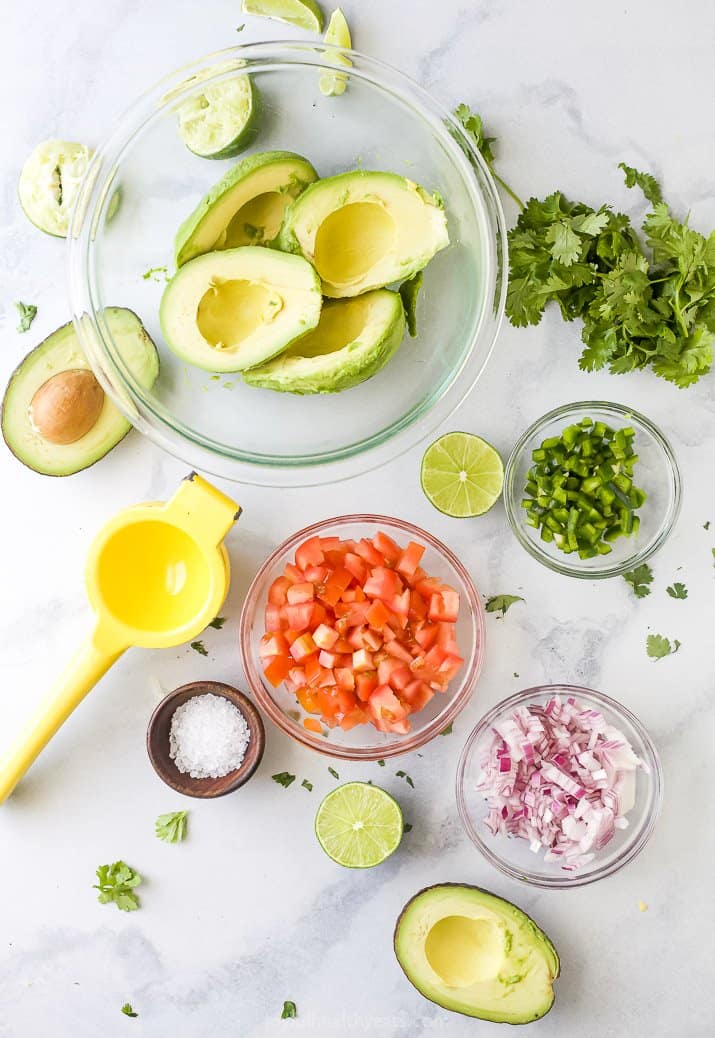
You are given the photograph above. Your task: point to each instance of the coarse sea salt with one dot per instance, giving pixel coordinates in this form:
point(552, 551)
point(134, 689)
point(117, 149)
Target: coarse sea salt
point(208, 737)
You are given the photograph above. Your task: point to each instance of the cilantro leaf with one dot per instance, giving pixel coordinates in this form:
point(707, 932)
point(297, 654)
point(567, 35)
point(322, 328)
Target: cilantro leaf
point(658, 646)
point(381, 763)
point(645, 181)
point(171, 827)
point(218, 622)
point(290, 1011)
point(706, 525)
point(116, 883)
point(474, 128)
point(677, 590)
point(500, 603)
point(200, 648)
point(28, 313)
point(409, 290)
point(639, 579)
point(447, 730)
point(407, 827)
point(334, 773)
point(127, 1010)
point(406, 777)
point(283, 778)
point(307, 785)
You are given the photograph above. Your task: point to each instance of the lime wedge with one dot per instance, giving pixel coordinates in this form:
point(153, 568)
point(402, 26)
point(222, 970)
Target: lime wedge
point(358, 825)
point(304, 13)
point(337, 34)
point(462, 475)
point(220, 121)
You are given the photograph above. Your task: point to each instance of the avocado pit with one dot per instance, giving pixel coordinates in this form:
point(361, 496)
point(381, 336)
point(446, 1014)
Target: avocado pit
point(67, 406)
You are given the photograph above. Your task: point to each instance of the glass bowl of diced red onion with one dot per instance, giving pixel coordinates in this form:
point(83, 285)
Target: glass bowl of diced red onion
point(399, 659)
point(559, 786)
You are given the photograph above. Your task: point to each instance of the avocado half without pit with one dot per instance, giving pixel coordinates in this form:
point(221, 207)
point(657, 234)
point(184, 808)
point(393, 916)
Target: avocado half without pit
point(474, 953)
point(363, 230)
point(56, 418)
point(246, 207)
point(231, 310)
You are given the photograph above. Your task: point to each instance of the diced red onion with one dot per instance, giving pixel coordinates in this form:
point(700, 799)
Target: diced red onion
point(559, 776)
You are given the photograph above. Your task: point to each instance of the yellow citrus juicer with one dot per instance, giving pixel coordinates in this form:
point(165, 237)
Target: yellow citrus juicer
point(156, 575)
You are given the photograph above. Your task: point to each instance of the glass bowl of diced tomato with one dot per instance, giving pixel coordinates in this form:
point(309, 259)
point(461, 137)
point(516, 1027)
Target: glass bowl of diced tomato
point(362, 637)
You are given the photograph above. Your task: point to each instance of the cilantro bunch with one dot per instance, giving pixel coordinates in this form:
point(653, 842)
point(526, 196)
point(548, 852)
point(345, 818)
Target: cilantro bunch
point(642, 304)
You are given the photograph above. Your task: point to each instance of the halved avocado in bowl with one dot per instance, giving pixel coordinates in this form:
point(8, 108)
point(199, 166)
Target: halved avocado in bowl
point(364, 230)
point(56, 418)
point(474, 953)
point(232, 310)
point(246, 207)
point(353, 339)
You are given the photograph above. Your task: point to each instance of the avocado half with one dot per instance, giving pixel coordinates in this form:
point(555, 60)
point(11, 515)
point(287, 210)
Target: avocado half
point(364, 230)
point(474, 953)
point(245, 207)
point(234, 309)
point(353, 339)
point(61, 353)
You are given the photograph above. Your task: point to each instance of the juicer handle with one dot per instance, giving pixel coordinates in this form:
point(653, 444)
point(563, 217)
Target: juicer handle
point(200, 509)
point(91, 661)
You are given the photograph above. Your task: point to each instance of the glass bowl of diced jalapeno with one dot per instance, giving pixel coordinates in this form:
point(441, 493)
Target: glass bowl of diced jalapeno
point(592, 489)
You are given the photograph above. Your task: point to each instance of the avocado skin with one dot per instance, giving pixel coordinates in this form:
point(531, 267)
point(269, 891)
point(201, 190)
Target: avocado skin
point(17, 371)
point(489, 893)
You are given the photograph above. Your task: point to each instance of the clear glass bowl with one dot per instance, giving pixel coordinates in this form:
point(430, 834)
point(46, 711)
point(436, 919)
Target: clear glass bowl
point(512, 855)
point(383, 121)
point(656, 472)
point(365, 742)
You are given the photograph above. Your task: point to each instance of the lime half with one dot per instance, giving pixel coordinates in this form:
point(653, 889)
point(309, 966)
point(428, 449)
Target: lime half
point(462, 475)
point(338, 35)
point(359, 825)
point(220, 121)
point(304, 13)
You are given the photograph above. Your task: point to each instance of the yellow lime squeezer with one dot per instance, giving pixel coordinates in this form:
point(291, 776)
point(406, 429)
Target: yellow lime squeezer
point(156, 575)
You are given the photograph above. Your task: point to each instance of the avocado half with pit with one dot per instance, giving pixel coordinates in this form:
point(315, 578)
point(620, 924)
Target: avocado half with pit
point(231, 310)
point(56, 418)
point(472, 952)
point(246, 207)
point(364, 230)
point(353, 339)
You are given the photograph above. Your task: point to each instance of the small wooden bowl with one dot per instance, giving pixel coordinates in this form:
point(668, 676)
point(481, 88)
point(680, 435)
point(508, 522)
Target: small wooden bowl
point(157, 741)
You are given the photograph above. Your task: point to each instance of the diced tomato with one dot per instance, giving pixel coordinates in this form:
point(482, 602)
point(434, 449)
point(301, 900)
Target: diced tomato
point(352, 719)
point(311, 725)
point(363, 660)
point(310, 553)
point(313, 670)
point(387, 711)
point(317, 574)
point(293, 574)
point(398, 650)
point(409, 560)
point(429, 586)
point(343, 645)
point(372, 639)
point(418, 606)
point(298, 617)
point(365, 685)
point(356, 638)
point(325, 637)
point(272, 645)
point(444, 606)
point(309, 700)
point(366, 550)
point(331, 543)
point(390, 551)
point(302, 647)
point(447, 638)
point(346, 700)
point(427, 636)
point(355, 565)
point(298, 593)
point(417, 694)
point(277, 593)
point(378, 614)
point(394, 673)
point(383, 583)
point(273, 618)
point(345, 678)
point(327, 697)
point(400, 604)
point(337, 582)
point(357, 615)
point(297, 676)
point(327, 659)
point(277, 669)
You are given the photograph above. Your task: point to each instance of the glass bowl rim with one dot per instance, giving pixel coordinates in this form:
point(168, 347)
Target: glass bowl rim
point(138, 404)
point(413, 741)
point(513, 510)
point(640, 838)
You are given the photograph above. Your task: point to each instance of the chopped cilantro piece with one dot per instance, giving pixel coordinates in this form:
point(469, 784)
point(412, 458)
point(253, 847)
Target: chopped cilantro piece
point(677, 590)
point(500, 603)
point(307, 785)
point(116, 883)
point(200, 648)
point(218, 622)
point(289, 1011)
point(283, 778)
point(127, 1010)
point(639, 579)
point(657, 646)
point(334, 773)
point(28, 313)
point(406, 777)
point(171, 827)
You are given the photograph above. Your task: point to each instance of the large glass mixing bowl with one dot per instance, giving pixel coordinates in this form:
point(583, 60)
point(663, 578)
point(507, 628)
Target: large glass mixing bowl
point(383, 121)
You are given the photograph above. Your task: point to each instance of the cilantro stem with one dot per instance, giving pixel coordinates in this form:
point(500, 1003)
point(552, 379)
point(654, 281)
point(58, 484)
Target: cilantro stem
point(502, 183)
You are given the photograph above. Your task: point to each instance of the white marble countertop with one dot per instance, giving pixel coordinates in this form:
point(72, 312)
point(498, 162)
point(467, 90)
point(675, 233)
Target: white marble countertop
point(249, 912)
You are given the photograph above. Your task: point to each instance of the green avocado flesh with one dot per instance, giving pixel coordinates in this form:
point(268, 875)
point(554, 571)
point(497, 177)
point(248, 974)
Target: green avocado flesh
point(246, 207)
point(364, 230)
point(352, 341)
point(231, 310)
point(61, 352)
point(471, 952)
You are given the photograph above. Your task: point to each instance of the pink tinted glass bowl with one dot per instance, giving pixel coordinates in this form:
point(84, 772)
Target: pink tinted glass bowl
point(512, 856)
point(364, 742)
